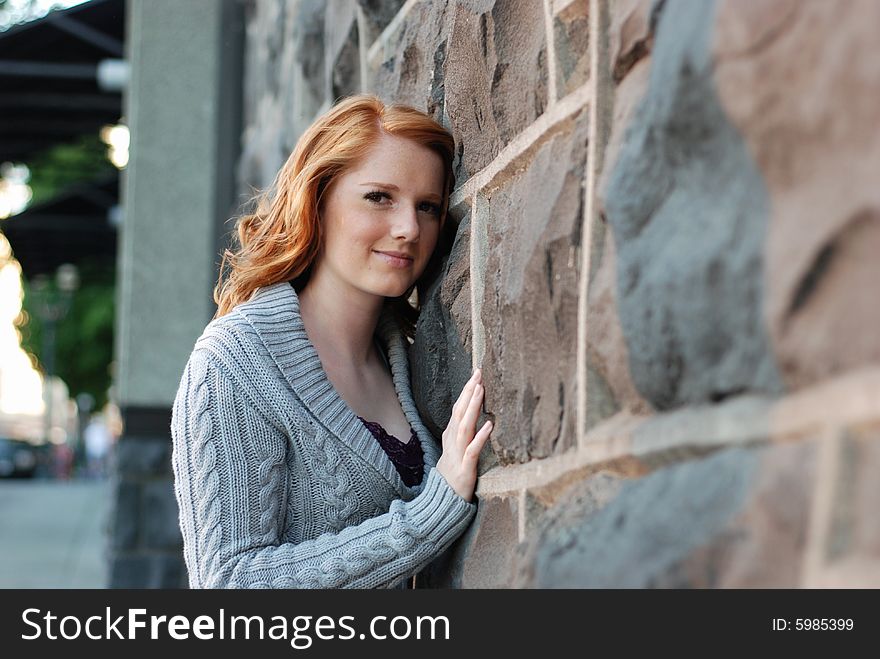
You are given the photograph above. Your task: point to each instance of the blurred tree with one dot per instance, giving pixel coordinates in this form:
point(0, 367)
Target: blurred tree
point(65, 164)
point(84, 337)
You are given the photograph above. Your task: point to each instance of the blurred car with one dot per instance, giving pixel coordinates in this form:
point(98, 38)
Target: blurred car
point(17, 458)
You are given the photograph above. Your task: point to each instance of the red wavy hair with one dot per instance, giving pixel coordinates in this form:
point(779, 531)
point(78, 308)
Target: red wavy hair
point(281, 238)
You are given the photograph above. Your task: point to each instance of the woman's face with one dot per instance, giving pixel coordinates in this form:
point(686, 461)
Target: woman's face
point(381, 219)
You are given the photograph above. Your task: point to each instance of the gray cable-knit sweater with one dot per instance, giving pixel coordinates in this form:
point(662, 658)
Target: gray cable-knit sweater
point(278, 482)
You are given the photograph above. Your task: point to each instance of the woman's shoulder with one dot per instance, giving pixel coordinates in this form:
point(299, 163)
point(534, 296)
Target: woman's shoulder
point(245, 321)
point(229, 334)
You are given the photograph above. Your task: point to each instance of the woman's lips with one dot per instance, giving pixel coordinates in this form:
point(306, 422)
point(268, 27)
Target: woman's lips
point(395, 261)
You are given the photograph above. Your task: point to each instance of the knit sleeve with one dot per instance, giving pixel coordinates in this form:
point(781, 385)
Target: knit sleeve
point(231, 486)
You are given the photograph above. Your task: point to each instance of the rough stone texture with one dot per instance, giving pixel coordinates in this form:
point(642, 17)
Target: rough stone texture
point(410, 69)
point(763, 545)
point(285, 84)
point(530, 303)
point(440, 356)
point(491, 550)
point(736, 519)
point(629, 35)
point(555, 526)
point(485, 556)
point(341, 49)
point(688, 210)
point(377, 15)
point(609, 383)
point(570, 35)
point(608, 354)
point(851, 551)
point(498, 61)
point(817, 147)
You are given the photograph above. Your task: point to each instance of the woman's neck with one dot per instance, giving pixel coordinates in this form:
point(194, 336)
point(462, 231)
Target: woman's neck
point(340, 323)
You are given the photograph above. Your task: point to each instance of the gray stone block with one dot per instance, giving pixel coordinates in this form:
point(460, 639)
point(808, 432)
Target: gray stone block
point(571, 29)
point(530, 304)
point(496, 55)
point(378, 14)
point(440, 360)
point(688, 209)
point(649, 528)
point(413, 72)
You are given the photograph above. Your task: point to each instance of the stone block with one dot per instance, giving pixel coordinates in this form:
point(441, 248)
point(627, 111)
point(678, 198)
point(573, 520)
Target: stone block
point(530, 302)
point(159, 516)
point(284, 84)
point(410, 64)
point(341, 49)
point(851, 547)
point(553, 515)
point(484, 556)
point(630, 34)
point(609, 385)
point(688, 209)
point(491, 549)
point(440, 361)
point(738, 518)
point(377, 15)
point(571, 29)
point(794, 80)
point(497, 56)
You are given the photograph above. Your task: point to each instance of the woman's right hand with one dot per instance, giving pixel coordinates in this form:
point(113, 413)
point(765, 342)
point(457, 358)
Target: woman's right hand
point(461, 445)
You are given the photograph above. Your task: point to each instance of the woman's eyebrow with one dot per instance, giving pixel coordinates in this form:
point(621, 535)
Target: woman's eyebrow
point(391, 186)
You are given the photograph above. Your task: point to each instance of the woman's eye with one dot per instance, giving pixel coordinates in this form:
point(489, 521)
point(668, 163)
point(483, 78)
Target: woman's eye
point(377, 196)
point(428, 207)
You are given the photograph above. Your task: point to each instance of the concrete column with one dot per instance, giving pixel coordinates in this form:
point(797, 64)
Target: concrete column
point(183, 110)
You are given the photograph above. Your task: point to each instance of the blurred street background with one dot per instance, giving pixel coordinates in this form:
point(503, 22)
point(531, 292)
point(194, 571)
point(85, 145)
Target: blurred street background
point(53, 533)
point(58, 191)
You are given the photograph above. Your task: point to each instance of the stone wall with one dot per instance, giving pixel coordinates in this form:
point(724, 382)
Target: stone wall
point(665, 265)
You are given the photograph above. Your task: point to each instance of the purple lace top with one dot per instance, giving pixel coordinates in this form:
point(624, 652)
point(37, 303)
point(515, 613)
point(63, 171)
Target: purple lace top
point(408, 458)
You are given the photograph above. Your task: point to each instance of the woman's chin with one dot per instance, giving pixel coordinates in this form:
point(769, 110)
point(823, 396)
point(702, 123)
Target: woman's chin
point(393, 291)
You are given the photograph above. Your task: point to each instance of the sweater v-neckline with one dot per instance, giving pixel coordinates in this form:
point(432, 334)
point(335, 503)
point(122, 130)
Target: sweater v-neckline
point(274, 314)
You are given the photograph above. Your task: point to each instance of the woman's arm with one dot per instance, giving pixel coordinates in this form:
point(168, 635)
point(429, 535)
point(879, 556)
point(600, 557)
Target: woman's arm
point(231, 484)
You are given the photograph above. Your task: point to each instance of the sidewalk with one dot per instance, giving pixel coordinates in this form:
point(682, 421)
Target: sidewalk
point(52, 533)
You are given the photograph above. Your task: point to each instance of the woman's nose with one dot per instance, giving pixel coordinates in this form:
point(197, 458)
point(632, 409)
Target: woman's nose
point(406, 224)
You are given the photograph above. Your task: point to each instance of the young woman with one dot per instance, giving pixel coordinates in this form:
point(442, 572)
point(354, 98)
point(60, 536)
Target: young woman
point(299, 457)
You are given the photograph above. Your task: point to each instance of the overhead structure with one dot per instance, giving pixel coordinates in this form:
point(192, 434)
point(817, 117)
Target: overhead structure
point(61, 77)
